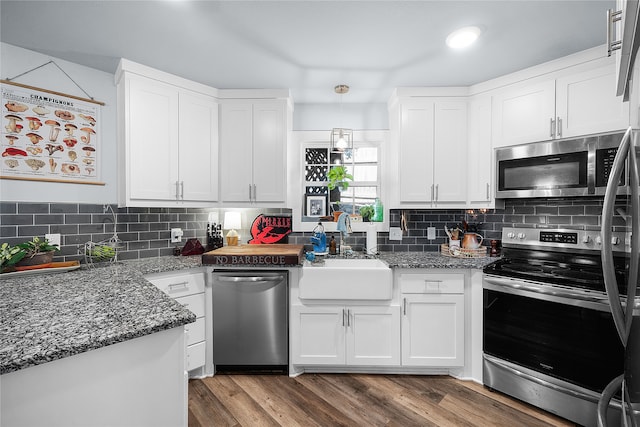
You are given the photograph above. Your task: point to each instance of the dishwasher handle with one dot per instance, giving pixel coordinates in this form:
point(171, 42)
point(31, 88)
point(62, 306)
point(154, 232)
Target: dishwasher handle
point(250, 279)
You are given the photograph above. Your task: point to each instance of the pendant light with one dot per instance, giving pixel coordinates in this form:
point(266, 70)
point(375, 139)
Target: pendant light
point(341, 138)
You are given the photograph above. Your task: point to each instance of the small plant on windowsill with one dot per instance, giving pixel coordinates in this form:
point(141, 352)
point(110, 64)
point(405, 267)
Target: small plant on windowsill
point(338, 178)
point(367, 213)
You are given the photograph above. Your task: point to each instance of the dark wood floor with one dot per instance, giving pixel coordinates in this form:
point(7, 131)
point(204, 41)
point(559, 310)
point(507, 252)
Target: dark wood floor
point(355, 400)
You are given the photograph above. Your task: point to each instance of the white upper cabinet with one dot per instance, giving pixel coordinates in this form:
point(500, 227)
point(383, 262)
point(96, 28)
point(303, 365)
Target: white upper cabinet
point(523, 113)
point(198, 143)
point(168, 141)
point(480, 159)
point(586, 104)
point(253, 138)
point(431, 147)
point(575, 104)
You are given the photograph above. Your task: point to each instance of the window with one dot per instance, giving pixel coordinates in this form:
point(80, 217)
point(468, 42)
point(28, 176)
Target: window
point(362, 162)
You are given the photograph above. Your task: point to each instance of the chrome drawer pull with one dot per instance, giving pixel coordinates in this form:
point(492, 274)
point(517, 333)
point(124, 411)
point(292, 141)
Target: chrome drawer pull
point(179, 285)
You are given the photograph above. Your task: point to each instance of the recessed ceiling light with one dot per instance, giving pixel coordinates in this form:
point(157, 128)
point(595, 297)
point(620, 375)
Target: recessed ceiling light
point(463, 37)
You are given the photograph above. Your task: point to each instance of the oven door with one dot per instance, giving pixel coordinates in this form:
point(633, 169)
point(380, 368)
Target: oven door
point(548, 331)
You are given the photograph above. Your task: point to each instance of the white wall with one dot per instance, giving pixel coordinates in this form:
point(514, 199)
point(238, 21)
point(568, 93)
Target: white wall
point(351, 116)
point(98, 84)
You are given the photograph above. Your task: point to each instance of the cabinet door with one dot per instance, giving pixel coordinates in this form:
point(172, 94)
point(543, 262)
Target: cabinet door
point(198, 150)
point(587, 103)
point(433, 330)
point(523, 113)
point(269, 155)
point(318, 335)
point(416, 152)
point(152, 139)
point(449, 156)
point(236, 150)
point(373, 336)
point(480, 161)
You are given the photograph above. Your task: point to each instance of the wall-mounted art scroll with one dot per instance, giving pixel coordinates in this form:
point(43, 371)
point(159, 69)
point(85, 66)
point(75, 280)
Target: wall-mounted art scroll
point(49, 136)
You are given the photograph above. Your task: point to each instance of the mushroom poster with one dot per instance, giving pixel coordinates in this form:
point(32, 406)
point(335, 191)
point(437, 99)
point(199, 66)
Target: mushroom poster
point(49, 136)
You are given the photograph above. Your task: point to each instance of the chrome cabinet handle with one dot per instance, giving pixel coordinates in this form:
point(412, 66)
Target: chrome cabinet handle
point(559, 127)
point(250, 193)
point(437, 188)
point(181, 190)
point(612, 17)
point(552, 128)
point(432, 192)
point(343, 321)
point(255, 193)
point(180, 285)
point(488, 191)
point(404, 306)
point(177, 190)
point(349, 318)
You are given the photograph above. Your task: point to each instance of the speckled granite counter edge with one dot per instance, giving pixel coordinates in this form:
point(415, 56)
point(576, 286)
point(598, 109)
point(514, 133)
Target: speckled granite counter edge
point(22, 345)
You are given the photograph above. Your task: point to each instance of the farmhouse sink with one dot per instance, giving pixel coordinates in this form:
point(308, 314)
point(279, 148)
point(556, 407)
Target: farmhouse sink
point(346, 279)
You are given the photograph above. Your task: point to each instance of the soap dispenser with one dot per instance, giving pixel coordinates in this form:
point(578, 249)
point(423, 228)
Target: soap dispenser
point(378, 211)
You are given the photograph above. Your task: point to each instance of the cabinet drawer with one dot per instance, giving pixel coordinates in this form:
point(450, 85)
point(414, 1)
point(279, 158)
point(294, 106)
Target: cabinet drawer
point(195, 356)
point(437, 283)
point(195, 331)
point(195, 303)
point(179, 286)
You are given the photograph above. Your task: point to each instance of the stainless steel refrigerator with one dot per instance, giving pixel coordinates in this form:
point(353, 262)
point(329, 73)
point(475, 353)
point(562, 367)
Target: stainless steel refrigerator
point(622, 211)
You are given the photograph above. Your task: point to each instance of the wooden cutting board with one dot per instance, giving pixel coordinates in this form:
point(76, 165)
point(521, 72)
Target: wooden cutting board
point(267, 255)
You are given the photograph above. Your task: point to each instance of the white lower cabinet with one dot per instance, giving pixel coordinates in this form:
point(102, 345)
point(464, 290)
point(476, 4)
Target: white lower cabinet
point(346, 335)
point(432, 319)
point(188, 289)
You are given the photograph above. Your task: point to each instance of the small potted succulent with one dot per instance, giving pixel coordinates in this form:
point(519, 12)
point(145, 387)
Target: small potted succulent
point(36, 252)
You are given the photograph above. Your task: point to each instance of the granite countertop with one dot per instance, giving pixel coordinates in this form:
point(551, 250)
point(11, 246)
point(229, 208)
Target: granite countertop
point(432, 260)
point(46, 317)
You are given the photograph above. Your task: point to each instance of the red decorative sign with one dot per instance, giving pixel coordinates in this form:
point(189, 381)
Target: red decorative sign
point(268, 229)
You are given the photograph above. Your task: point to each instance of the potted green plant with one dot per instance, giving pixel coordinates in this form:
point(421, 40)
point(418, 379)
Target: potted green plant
point(367, 213)
point(36, 252)
point(9, 256)
point(338, 177)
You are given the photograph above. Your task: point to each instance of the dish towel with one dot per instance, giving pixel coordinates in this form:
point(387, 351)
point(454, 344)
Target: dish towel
point(344, 225)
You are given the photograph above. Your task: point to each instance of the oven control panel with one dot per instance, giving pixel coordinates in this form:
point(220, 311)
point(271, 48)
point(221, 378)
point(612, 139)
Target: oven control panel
point(557, 239)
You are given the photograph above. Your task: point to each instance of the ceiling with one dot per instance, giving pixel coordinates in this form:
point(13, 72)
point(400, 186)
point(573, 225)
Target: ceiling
point(308, 46)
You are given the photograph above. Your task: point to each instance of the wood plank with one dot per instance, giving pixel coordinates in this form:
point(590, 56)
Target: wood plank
point(415, 395)
point(243, 408)
point(205, 409)
point(341, 399)
point(277, 398)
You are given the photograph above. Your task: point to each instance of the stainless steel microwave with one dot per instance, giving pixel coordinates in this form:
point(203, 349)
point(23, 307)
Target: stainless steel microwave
point(559, 168)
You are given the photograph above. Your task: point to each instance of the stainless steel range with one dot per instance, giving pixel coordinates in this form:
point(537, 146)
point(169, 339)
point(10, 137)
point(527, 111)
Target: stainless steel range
point(549, 337)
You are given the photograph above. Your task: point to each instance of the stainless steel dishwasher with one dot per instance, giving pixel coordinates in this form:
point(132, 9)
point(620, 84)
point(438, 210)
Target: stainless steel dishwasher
point(250, 321)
